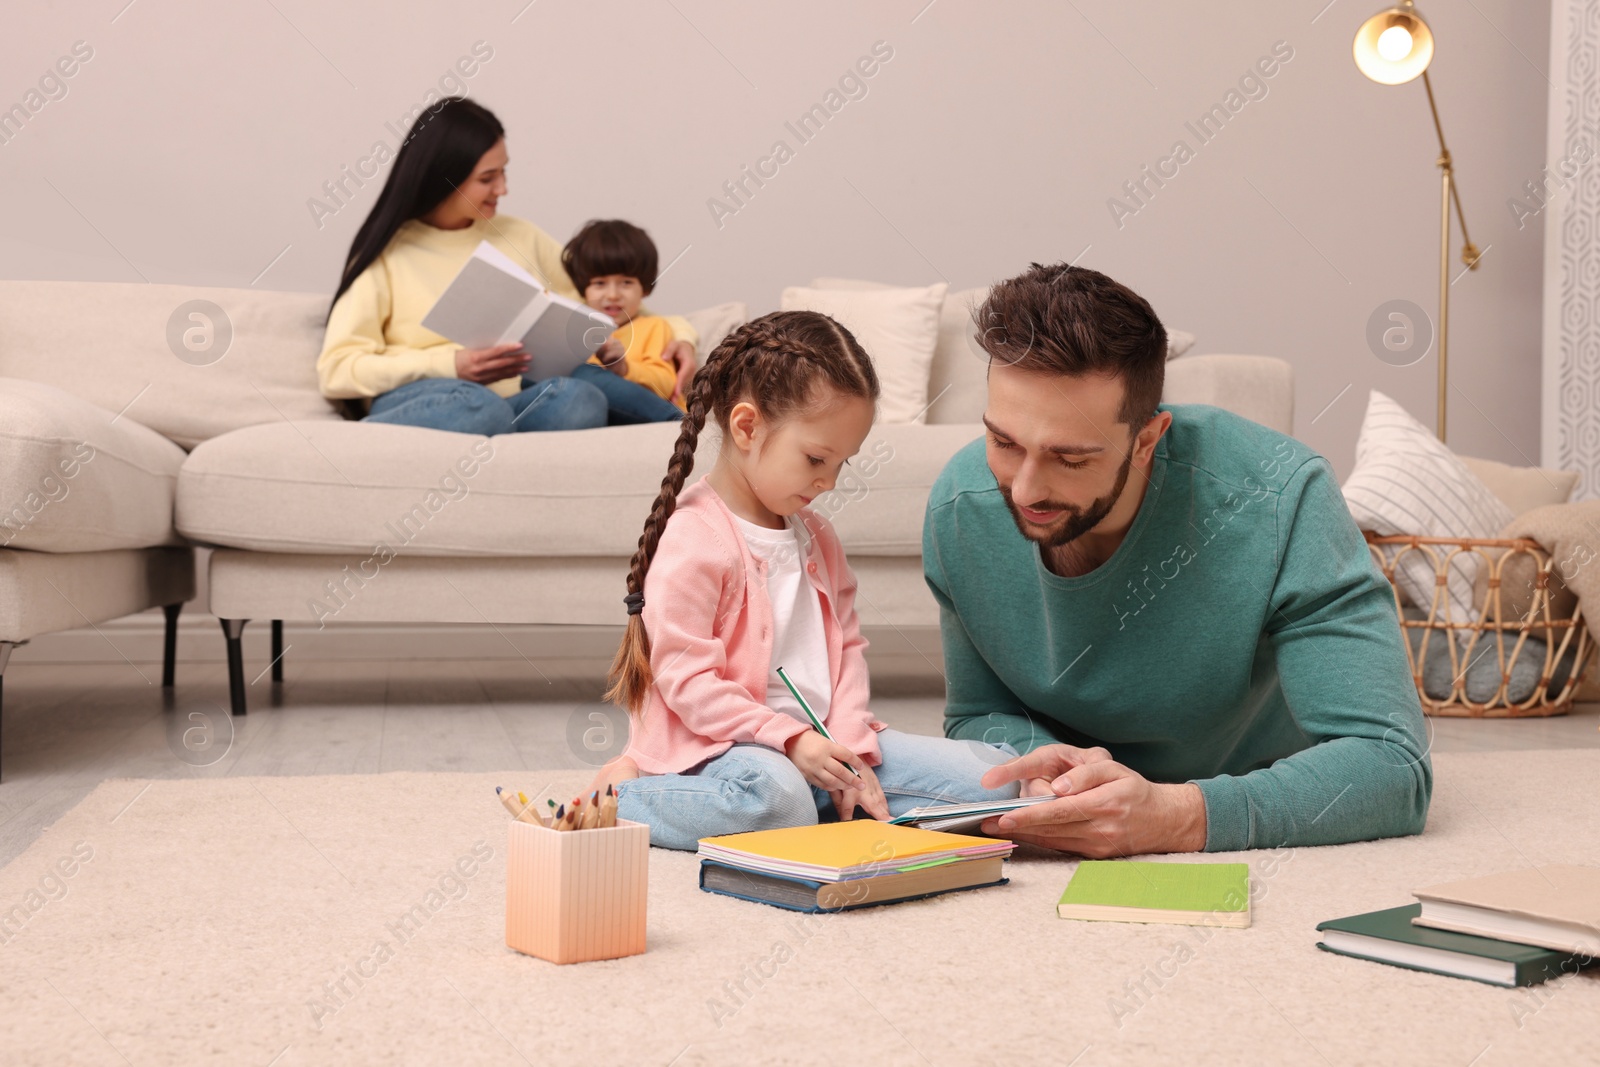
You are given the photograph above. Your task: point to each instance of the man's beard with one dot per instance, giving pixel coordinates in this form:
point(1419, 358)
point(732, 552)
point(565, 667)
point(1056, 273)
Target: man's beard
point(1079, 520)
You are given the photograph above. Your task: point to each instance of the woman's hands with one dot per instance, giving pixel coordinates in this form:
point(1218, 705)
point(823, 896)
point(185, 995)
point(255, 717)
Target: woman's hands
point(682, 354)
point(823, 763)
point(485, 365)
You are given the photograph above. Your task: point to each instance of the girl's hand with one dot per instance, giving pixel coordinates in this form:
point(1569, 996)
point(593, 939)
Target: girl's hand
point(485, 365)
point(865, 792)
point(822, 761)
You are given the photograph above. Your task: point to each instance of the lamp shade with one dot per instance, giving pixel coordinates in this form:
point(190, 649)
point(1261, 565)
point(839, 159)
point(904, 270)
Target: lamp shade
point(1394, 46)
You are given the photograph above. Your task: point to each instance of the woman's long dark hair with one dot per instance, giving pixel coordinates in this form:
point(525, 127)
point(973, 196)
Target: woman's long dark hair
point(440, 152)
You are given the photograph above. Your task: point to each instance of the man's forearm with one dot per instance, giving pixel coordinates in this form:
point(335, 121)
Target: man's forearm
point(1185, 817)
point(1348, 789)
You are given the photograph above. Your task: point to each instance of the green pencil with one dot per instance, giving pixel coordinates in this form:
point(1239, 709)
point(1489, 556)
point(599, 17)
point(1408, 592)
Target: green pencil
point(816, 723)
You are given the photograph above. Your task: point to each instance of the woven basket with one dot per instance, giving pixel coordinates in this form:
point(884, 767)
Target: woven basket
point(1489, 633)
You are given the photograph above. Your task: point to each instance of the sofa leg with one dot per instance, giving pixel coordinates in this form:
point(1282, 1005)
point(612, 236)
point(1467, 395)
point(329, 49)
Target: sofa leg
point(233, 630)
point(5, 656)
point(277, 650)
point(169, 655)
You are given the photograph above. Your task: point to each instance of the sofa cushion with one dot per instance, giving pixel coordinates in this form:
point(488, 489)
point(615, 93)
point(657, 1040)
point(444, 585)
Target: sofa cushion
point(958, 386)
point(1260, 388)
point(898, 328)
point(78, 478)
point(958, 382)
point(1523, 488)
point(161, 355)
point(322, 487)
point(715, 323)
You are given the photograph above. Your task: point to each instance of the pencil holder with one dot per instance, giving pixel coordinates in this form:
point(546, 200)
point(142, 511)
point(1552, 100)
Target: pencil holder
point(577, 895)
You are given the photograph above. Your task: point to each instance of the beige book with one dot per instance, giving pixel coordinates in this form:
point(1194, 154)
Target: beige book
point(1554, 907)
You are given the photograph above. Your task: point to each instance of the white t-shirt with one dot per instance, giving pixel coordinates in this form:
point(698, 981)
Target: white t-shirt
point(799, 644)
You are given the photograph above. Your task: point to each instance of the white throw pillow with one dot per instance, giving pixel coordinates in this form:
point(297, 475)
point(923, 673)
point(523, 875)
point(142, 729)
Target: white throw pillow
point(897, 327)
point(1407, 482)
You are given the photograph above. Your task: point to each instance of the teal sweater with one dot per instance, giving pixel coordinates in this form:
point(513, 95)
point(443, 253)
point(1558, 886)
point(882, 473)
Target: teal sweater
point(1240, 638)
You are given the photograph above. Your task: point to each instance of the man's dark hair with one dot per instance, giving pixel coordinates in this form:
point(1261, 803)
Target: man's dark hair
point(1074, 321)
point(610, 246)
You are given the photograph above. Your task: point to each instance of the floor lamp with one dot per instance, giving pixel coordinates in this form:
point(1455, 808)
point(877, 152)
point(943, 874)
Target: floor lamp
point(1392, 48)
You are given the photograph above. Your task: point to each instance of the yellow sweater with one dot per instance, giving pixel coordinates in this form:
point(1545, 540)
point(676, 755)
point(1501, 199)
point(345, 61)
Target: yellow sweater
point(644, 339)
point(375, 339)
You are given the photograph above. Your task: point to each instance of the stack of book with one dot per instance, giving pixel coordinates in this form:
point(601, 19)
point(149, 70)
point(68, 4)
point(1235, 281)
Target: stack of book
point(841, 865)
point(1516, 928)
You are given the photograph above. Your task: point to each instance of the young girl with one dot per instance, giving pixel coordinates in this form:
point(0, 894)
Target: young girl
point(736, 578)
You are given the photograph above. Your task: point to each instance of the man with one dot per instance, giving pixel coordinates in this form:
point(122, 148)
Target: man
point(1167, 610)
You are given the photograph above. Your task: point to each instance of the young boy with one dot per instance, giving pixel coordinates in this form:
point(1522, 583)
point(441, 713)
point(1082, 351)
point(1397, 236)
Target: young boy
point(613, 264)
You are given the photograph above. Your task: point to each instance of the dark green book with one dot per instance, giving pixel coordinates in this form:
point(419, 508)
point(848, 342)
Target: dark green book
point(1389, 937)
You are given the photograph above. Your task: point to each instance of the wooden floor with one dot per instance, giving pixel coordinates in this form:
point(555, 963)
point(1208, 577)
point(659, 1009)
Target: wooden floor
point(69, 727)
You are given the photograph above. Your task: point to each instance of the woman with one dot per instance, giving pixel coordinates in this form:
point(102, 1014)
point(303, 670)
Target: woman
point(438, 203)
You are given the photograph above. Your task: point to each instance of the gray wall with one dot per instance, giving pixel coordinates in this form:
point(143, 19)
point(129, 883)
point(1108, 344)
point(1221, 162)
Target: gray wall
point(187, 148)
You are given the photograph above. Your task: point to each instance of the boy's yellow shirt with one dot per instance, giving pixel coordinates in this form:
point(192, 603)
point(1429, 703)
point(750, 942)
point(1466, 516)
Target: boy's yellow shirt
point(645, 339)
point(375, 340)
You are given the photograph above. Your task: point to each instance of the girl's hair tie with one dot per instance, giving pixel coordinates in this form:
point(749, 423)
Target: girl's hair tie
point(635, 602)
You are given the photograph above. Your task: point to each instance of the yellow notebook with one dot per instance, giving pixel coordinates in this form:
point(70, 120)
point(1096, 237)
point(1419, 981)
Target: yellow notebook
point(837, 851)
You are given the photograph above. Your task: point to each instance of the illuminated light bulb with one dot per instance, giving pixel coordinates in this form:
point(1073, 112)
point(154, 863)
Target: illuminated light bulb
point(1394, 43)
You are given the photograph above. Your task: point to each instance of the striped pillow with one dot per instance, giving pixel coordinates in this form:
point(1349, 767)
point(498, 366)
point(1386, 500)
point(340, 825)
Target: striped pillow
point(1407, 482)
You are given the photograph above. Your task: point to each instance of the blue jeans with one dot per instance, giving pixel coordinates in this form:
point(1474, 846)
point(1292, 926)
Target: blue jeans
point(629, 402)
point(753, 787)
point(467, 407)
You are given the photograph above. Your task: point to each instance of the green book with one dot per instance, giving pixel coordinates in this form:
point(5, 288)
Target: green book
point(1131, 891)
point(1389, 937)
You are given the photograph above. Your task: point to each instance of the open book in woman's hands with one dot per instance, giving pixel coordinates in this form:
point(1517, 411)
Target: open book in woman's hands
point(492, 300)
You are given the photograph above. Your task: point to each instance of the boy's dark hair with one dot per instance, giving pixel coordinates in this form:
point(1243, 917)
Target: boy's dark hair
point(610, 246)
point(787, 363)
point(1074, 321)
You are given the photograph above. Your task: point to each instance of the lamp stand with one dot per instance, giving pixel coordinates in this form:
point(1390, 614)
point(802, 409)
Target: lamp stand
point(1469, 251)
point(1444, 286)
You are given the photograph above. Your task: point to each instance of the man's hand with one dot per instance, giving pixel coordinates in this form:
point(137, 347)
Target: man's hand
point(485, 365)
point(1105, 809)
point(1039, 768)
point(680, 353)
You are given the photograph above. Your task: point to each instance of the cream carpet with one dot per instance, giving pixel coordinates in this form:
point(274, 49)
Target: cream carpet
point(255, 921)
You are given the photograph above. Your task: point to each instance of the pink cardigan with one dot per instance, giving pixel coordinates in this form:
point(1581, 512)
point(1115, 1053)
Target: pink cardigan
point(711, 641)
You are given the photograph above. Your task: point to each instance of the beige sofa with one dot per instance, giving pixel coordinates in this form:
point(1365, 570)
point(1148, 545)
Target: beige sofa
point(321, 521)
